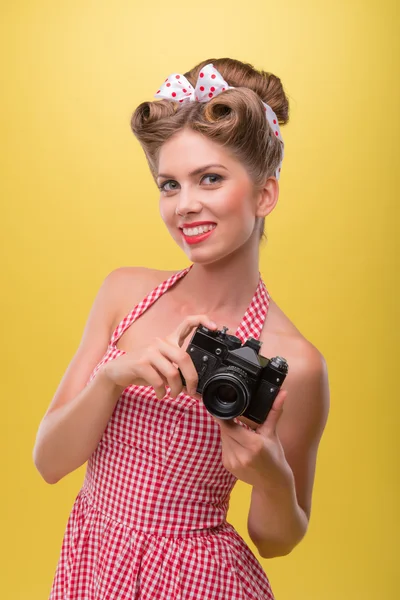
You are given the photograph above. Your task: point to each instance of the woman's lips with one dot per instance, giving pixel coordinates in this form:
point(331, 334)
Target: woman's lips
point(196, 239)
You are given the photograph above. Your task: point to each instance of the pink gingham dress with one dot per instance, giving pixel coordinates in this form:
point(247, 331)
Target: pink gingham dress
point(149, 522)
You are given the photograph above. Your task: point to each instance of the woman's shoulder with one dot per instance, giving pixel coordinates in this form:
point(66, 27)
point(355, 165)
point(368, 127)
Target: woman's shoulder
point(280, 336)
point(130, 285)
point(139, 278)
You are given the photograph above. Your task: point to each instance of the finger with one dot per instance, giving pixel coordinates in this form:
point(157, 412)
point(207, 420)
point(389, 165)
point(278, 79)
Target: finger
point(149, 376)
point(230, 447)
point(169, 371)
point(183, 330)
point(238, 435)
point(181, 358)
point(269, 426)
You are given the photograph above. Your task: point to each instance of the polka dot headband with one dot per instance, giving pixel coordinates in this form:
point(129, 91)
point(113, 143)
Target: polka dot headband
point(210, 83)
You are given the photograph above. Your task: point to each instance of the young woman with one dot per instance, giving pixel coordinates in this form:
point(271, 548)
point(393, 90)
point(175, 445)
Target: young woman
point(150, 520)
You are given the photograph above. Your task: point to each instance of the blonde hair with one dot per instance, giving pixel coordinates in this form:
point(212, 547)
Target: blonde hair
point(234, 119)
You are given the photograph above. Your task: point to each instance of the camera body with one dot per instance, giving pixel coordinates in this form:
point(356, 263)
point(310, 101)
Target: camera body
point(234, 379)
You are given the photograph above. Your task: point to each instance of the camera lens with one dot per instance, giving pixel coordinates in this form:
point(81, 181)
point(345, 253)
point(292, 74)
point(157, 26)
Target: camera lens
point(226, 393)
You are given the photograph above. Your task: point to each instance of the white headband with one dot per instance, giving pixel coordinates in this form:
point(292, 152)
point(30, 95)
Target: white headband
point(209, 83)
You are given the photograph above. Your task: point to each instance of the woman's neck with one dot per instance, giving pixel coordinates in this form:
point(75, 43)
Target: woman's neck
point(226, 285)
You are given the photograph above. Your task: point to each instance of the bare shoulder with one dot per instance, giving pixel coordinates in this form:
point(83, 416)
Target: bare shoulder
point(137, 278)
point(280, 335)
point(129, 285)
point(307, 381)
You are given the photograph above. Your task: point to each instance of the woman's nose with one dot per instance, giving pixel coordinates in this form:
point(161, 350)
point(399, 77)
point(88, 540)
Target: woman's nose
point(187, 202)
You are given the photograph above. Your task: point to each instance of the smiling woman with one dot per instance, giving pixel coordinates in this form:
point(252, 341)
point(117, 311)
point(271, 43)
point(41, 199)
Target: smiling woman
point(150, 519)
point(224, 198)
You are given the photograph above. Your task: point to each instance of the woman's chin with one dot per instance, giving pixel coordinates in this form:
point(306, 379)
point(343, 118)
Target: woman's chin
point(205, 256)
point(211, 251)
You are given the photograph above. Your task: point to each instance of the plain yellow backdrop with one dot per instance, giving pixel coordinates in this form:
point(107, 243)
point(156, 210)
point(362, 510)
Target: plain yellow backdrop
point(77, 200)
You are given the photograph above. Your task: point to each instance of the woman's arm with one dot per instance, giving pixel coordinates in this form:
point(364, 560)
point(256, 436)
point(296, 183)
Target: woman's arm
point(78, 413)
point(281, 506)
point(69, 435)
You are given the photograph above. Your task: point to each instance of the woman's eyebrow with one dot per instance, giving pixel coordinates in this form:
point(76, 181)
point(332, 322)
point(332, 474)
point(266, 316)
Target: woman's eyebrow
point(196, 171)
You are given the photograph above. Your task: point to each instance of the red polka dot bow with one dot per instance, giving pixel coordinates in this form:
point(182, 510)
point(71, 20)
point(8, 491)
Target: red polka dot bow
point(209, 84)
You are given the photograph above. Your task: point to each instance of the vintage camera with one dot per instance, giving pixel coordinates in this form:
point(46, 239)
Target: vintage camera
point(234, 379)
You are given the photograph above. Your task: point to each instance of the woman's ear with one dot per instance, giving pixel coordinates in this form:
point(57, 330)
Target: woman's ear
point(267, 197)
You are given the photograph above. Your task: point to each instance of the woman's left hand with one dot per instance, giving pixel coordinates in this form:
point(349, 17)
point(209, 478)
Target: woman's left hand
point(254, 456)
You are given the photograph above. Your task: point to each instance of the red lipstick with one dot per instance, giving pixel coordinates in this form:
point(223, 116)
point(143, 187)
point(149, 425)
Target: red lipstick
point(196, 239)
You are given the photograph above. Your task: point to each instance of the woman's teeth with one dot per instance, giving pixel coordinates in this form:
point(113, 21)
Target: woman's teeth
point(198, 230)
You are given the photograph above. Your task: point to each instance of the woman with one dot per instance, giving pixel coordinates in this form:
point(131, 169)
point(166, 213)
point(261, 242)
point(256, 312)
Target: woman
point(150, 519)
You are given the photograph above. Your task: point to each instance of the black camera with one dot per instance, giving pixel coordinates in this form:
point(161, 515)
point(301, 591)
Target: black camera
point(234, 379)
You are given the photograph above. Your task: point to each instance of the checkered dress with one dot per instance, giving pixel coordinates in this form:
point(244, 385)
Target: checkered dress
point(149, 522)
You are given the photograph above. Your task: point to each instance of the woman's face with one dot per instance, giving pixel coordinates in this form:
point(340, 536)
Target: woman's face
point(207, 199)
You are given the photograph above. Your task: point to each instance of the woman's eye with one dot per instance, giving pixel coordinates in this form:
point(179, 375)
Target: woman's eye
point(215, 178)
point(174, 185)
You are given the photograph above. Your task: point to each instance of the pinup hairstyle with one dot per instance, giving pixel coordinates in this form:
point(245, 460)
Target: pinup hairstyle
point(234, 119)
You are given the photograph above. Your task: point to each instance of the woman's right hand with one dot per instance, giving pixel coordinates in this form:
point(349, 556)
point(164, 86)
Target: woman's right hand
point(158, 364)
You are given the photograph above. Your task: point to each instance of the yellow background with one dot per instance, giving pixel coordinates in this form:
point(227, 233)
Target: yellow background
point(77, 201)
